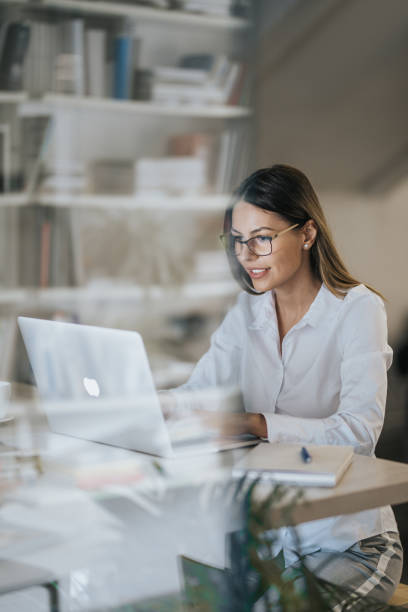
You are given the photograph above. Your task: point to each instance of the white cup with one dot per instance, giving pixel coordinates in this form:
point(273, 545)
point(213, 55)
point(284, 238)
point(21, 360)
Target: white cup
point(5, 394)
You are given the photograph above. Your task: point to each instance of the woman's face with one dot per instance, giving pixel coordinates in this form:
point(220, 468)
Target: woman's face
point(284, 263)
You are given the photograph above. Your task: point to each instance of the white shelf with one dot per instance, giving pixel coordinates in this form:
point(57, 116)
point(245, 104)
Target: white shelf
point(135, 202)
point(51, 102)
point(13, 296)
point(12, 97)
point(132, 202)
point(13, 199)
point(108, 292)
point(144, 13)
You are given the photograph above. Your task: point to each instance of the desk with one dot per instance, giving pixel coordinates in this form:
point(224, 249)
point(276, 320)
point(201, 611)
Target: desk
point(122, 542)
point(368, 483)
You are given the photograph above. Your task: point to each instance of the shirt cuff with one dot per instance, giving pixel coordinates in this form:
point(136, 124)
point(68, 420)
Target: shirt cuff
point(283, 428)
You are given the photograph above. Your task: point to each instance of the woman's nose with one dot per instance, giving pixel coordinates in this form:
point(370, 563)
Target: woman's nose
point(246, 254)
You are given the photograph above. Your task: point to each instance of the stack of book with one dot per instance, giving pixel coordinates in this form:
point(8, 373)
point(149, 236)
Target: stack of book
point(220, 8)
point(208, 80)
point(63, 176)
point(110, 176)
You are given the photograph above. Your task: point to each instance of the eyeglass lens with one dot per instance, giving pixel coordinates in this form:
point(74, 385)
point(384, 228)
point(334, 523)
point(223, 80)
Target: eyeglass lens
point(259, 245)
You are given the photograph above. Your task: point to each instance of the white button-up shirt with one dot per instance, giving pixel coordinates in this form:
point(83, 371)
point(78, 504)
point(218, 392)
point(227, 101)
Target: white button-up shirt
point(327, 386)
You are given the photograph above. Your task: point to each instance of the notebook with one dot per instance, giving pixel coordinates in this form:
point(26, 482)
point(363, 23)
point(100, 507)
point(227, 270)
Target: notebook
point(283, 463)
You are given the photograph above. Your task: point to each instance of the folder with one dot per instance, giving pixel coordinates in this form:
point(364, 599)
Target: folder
point(283, 463)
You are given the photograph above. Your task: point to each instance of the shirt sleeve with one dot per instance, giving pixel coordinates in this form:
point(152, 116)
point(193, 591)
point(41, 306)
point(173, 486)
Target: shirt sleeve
point(365, 359)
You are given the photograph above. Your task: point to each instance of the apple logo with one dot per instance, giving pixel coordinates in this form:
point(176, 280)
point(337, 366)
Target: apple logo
point(91, 386)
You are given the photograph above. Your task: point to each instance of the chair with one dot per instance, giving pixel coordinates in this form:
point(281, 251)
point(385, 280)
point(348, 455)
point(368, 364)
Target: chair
point(400, 597)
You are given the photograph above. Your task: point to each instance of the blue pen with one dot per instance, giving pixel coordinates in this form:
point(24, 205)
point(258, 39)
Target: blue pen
point(306, 456)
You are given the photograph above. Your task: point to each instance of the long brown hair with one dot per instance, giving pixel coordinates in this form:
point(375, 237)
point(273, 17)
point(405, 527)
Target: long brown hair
point(286, 191)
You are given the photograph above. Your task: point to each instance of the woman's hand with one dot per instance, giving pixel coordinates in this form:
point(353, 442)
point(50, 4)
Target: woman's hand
point(233, 424)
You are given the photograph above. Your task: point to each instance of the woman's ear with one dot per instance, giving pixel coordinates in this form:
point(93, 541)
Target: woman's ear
point(309, 234)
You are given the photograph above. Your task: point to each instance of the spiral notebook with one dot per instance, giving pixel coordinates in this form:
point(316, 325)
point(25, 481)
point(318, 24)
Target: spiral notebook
point(283, 463)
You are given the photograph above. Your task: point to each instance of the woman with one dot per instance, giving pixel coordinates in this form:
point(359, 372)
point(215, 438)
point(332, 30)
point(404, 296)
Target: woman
point(307, 345)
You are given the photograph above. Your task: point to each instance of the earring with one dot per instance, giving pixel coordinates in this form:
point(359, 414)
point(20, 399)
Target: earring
point(306, 246)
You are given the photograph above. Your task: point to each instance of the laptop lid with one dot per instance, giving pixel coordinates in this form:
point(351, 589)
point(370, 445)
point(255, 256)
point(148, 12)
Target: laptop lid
point(96, 384)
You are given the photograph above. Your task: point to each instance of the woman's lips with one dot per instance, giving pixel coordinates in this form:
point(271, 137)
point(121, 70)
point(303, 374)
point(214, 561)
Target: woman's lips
point(258, 272)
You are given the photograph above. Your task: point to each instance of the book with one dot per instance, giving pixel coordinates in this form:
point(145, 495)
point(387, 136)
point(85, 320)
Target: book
point(199, 61)
point(175, 74)
point(197, 144)
point(8, 335)
point(219, 70)
point(142, 84)
point(45, 252)
point(5, 158)
point(110, 176)
point(238, 86)
point(177, 93)
point(37, 133)
point(283, 463)
point(70, 61)
point(123, 67)
point(95, 46)
point(219, 8)
point(13, 54)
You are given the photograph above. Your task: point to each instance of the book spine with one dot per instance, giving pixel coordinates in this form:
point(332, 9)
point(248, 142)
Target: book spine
point(51, 54)
point(95, 62)
point(70, 60)
point(45, 250)
point(46, 56)
point(78, 50)
point(8, 338)
point(230, 81)
point(219, 72)
point(122, 67)
point(12, 58)
point(223, 161)
point(5, 157)
point(32, 80)
point(237, 88)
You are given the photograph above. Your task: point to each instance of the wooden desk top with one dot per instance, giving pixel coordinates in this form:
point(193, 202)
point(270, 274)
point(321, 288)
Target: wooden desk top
point(368, 483)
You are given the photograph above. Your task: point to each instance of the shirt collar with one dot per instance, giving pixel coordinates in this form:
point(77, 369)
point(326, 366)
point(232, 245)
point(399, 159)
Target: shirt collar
point(264, 312)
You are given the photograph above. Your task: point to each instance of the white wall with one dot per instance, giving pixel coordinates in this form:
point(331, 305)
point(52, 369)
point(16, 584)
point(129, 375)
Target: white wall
point(372, 236)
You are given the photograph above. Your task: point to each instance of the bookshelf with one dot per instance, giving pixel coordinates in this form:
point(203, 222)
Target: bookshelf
point(14, 200)
point(120, 9)
point(12, 97)
point(184, 203)
point(216, 203)
point(75, 238)
point(51, 102)
point(167, 300)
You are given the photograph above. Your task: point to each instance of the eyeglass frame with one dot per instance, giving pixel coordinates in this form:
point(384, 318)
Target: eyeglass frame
point(223, 238)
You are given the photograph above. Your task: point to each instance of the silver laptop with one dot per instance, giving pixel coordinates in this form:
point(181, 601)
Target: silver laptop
point(96, 383)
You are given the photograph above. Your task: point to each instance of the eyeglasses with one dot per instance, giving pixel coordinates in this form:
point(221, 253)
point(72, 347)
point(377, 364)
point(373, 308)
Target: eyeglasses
point(258, 245)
